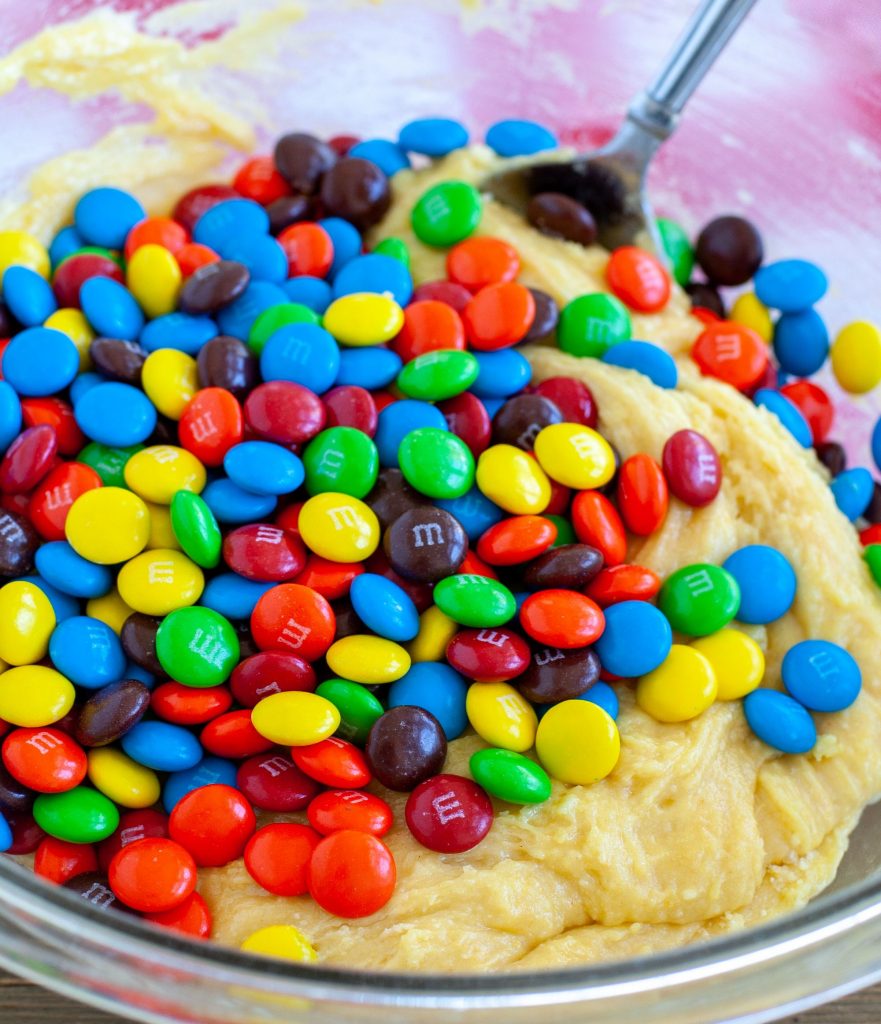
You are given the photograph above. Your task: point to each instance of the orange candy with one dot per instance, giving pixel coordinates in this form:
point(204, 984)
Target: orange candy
point(352, 874)
point(153, 875)
point(277, 857)
point(333, 762)
point(499, 316)
point(295, 619)
point(54, 495)
point(562, 618)
point(192, 918)
point(259, 180)
point(474, 565)
point(157, 231)
point(332, 580)
point(338, 809)
point(516, 540)
point(596, 522)
point(187, 705)
point(58, 414)
point(211, 424)
point(638, 279)
point(212, 824)
point(57, 860)
point(194, 255)
point(309, 249)
point(45, 760)
point(480, 261)
point(233, 735)
point(623, 583)
point(642, 494)
point(731, 352)
point(428, 325)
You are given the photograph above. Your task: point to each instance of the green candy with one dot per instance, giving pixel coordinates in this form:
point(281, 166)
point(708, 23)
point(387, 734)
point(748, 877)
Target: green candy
point(436, 462)
point(196, 529)
point(97, 250)
point(342, 459)
point(437, 375)
point(565, 533)
point(699, 599)
point(197, 647)
point(79, 815)
point(395, 248)
point(591, 324)
point(357, 706)
point(269, 321)
point(108, 463)
point(510, 777)
point(678, 248)
point(872, 555)
point(446, 213)
point(475, 600)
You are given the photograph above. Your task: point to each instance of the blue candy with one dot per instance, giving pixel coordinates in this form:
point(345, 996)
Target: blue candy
point(433, 136)
point(313, 292)
point(370, 367)
point(115, 414)
point(646, 358)
point(133, 671)
point(162, 746)
point(853, 490)
point(501, 373)
point(10, 415)
point(28, 295)
point(780, 721)
point(87, 651)
point(85, 382)
point(104, 216)
point(237, 318)
point(374, 272)
point(767, 583)
point(346, 242)
point(876, 443)
point(474, 511)
point(61, 567)
point(519, 138)
point(231, 504)
point(230, 219)
point(801, 342)
point(303, 353)
point(603, 696)
point(111, 309)
point(178, 330)
point(64, 244)
point(492, 405)
point(40, 361)
point(232, 595)
point(637, 638)
point(821, 675)
point(790, 285)
point(384, 607)
point(264, 468)
point(261, 254)
point(787, 412)
point(438, 689)
point(63, 605)
point(388, 156)
point(397, 419)
point(210, 771)
point(5, 835)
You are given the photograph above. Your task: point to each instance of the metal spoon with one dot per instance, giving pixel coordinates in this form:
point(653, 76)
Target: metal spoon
point(610, 181)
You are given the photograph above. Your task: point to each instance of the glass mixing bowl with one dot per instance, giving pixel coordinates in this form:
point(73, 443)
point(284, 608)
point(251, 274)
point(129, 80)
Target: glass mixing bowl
point(785, 130)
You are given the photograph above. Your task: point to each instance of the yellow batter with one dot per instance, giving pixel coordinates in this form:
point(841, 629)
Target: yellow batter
point(701, 829)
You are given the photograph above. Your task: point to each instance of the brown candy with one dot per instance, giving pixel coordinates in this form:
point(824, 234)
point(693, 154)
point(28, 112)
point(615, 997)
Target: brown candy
point(111, 712)
point(425, 544)
point(392, 496)
point(554, 675)
point(289, 210)
point(13, 795)
point(226, 362)
point(357, 191)
point(707, 297)
point(347, 621)
point(8, 325)
point(119, 359)
point(405, 746)
point(18, 544)
point(213, 286)
point(520, 419)
point(302, 160)
point(729, 250)
point(873, 510)
point(833, 457)
point(560, 216)
point(571, 566)
point(138, 638)
point(94, 888)
point(547, 314)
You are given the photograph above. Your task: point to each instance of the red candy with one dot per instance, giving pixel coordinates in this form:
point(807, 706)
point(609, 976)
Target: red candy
point(273, 782)
point(468, 419)
point(153, 875)
point(517, 539)
point(309, 249)
point(57, 860)
point(642, 495)
point(352, 874)
point(814, 404)
point(638, 279)
point(264, 552)
point(732, 353)
point(596, 522)
point(26, 833)
point(339, 809)
point(277, 857)
point(449, 814)
point(156, 231)
point(692, 468)
point(333, 762)
point(572, 397)
point(133, 827)
point(186, 705)
point(59, 489)
point(269, 672)
point(443, 291)
point(488, 655)
point(871, 535)
point(57, 414)
point(190, 207)
point(45, 760)
point(284, 412)
point(330, 579)
point(28, 459)
point(259, 180)
point(473, 565)
point(75, 270)
point(213, 823)
point(499, 316)
point(480, 261)
point(210, 425)
point(429, 324)
point(233, 735)
point(351, 406)
point(623, 583)
point(192, 918)
point(562, 618)
point(293, 618)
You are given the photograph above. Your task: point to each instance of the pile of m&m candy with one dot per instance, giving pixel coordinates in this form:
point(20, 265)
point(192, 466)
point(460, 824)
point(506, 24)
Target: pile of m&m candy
point(277, 525)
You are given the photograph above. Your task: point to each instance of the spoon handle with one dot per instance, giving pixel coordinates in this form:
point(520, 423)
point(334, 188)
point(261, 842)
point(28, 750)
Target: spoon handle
point(711, 26)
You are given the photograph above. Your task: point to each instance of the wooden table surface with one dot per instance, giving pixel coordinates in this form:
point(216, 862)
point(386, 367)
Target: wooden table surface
point(22, 1003)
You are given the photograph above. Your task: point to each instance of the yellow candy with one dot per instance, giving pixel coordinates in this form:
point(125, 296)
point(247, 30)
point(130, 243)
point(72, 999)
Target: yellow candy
point(513, 480)
point(161, 532)
point(169, 379)
point(683, 686)
point(295, 718)
point(283, 941)
point(26, 623)
point(364, 318)
point(153, 277)
point(159, 472)
point(750, 311)
point(575, 455)
point(577, 742)
point(73, 323)
point(339, 527)
point(107, 525)
point(21, 249)
point(368, 659)
point(436, 630)
point(110, 609)
point(157, 582)
point(33, 696)
point(123, 780)
point(501, 716)
point(737, 661)
point(856, 357)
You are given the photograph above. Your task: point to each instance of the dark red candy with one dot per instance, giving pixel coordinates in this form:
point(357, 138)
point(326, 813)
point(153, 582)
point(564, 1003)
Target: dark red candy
point(269, 672)
point(284, 412)
point(121, 360)
point(260, 551)
point(519, 420)
point(468, 419)
point(350, 406)
point(425, 544)
point(554, 675)
point(75, 270)
point(356, 190)
point(28, 459)
point(110, 712)
point(272, 782)
point(392, 496)
point(455, 295)
point(26, 833)
point(133, 827)
point(692, 468)
point(572, 397)
point(449, 814)
point(561, 216)
point(729, 250)
point(213, 286)
point(488, 655)
point(197, 201)
point(341, 144)
point(571, 566)
point(405, 746)
point(302, 160)
point(339, 809)
point(547, 313)
point(18, 544)
point(138, 638)
point(225, 362)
